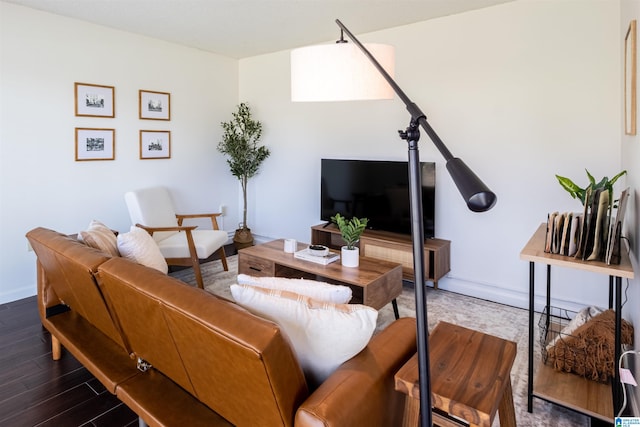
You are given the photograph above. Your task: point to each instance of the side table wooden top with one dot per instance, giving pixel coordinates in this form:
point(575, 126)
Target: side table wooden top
point(534, 252)
point(470, 373)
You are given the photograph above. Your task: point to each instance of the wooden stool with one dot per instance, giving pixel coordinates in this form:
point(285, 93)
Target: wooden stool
point(470, 378)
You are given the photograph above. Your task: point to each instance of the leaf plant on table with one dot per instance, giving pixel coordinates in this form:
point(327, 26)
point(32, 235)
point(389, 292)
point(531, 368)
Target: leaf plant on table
point(350, 229)
point(580, 193)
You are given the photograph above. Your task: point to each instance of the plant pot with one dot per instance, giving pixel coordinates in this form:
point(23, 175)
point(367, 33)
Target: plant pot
point(242, 238)
point(350, 257)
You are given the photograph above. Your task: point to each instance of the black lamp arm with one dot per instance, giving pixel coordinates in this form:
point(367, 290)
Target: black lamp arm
point(475, 193)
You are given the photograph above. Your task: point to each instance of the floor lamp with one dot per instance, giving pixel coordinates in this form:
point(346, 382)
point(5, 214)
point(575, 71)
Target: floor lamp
point(475, 193)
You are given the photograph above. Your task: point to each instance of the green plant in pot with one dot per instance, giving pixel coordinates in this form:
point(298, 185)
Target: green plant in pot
point(351, 230)
point(244, 157)
point(597, 200)
point(580, 193)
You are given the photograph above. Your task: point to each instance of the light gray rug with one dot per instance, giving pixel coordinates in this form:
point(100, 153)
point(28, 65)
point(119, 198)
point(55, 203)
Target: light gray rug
point(496, 319)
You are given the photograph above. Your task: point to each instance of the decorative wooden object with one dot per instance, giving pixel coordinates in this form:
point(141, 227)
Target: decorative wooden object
point(630, 85)
point(470, 378)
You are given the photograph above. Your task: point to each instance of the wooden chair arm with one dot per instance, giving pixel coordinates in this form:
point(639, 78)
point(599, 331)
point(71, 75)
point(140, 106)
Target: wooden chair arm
point(213, 216)
point(152, 230)
point(202, 215)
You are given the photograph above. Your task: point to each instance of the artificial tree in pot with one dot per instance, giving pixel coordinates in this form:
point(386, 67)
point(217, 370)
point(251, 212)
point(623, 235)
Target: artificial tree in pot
point(244, 157)
point(351, 230)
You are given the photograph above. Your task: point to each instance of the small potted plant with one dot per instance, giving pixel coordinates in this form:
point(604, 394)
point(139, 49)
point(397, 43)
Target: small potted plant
point(350, 229)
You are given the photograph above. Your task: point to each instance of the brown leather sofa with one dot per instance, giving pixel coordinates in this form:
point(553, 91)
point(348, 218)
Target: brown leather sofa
point(178, 355)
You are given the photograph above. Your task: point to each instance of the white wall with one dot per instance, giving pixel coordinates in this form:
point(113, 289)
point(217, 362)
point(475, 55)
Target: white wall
point(519, 91)
point(42, 55)
point(630, 10)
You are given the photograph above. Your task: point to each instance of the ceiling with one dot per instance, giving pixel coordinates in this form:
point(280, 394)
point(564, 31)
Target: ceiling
point(244, 28)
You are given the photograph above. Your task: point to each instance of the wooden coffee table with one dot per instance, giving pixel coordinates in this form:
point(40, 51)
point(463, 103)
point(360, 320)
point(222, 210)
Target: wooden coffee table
point(375, 283)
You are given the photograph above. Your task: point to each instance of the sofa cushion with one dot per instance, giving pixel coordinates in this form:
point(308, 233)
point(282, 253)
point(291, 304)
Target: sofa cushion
point(206, 242)
point(138, 246)
point(240, 365)
point(99, 236)
point(323, 335)
point(319, 291)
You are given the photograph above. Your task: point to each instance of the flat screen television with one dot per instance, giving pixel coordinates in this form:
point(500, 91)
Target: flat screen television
point(378, 190)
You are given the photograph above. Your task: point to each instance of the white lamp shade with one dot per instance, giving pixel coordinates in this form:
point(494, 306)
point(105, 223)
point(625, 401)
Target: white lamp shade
point(340, 72)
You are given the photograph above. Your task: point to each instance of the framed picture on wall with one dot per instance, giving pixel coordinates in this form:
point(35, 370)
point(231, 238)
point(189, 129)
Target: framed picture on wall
point(94, 100)
point(95, 144)
point(154, 105)
point(630, 80)
point(155, 144)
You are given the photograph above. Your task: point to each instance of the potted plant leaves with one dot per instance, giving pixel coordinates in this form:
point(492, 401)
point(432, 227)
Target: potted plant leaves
point(595, 238)
point(580, 193)
point(351, 230)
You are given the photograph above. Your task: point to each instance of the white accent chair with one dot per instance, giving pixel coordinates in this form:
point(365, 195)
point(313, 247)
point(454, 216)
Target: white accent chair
point(152, 210)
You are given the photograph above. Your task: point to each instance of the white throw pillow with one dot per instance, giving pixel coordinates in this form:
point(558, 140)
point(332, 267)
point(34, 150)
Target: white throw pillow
point(321, 291)
point(99, 236)
point(323, 335)
point(138, 246)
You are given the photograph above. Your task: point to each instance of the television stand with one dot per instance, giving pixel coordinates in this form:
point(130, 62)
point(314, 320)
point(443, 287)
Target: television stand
point(392, 247)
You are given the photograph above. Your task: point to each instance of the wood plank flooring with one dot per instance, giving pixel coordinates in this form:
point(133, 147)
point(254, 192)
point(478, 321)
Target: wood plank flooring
point(35, 390)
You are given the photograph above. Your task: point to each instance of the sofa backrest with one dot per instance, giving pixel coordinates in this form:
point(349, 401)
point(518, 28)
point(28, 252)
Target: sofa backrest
point(67, 271)
point(238, 364)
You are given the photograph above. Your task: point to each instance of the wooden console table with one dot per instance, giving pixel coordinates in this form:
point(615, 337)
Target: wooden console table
point(470, 378)
point(392, 247)
point(570, 390)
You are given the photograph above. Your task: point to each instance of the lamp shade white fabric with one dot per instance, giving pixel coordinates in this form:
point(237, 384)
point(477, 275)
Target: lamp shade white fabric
point(340, 72)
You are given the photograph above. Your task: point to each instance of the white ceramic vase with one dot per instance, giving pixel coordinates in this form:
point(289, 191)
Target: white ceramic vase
point(350, 257)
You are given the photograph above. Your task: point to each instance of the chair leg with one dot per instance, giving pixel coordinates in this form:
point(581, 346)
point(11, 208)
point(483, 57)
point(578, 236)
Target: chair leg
point(223, 258)
point(56, 348)
point(195, 262)
point(198, 274)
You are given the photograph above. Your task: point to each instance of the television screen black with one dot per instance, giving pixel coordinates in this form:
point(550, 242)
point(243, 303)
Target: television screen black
point(378, 190)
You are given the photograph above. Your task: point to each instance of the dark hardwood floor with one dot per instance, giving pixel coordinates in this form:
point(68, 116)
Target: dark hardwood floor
point(37, 391)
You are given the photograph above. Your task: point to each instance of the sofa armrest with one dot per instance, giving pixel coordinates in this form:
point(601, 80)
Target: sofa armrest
point(362, 392)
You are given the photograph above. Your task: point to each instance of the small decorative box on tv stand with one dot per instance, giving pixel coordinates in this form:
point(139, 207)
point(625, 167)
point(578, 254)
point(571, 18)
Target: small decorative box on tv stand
point(392, 247)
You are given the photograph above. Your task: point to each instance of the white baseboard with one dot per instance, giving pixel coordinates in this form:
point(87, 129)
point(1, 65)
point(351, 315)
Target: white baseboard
point(490, 292)
point(17, 294)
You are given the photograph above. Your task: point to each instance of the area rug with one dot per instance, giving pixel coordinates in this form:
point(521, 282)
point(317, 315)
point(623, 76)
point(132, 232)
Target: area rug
point(500, 320)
